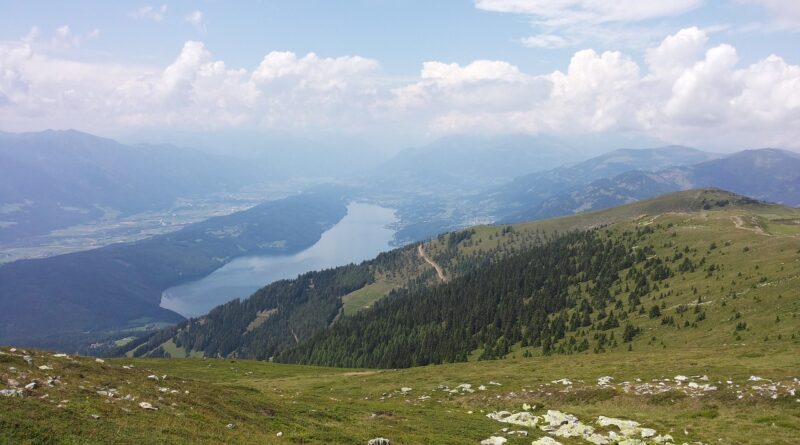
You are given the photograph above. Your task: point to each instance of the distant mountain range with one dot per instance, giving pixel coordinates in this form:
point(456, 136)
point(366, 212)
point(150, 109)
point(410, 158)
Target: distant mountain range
point(625, 176)
point(68, 301)
point(55, 179)
point(458, 163)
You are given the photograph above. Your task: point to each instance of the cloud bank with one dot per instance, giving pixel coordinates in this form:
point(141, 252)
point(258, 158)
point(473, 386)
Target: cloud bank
point(684, 91)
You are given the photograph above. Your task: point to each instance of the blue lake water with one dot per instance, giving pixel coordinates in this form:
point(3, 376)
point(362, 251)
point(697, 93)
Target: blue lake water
point(361, 235)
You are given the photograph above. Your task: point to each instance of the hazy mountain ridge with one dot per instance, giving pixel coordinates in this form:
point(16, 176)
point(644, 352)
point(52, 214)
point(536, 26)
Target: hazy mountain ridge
point(471, 162)
point(68, 301)
point(765, 174)
point(55, 179)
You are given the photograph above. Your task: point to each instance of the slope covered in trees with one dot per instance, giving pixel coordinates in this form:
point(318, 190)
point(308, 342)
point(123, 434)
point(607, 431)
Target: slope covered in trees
point(651, 275)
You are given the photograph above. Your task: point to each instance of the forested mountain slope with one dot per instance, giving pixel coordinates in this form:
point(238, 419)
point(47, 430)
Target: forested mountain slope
point(675, 279)
point(537, 288)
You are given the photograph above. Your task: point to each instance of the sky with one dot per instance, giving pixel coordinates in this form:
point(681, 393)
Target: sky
point(716, 74)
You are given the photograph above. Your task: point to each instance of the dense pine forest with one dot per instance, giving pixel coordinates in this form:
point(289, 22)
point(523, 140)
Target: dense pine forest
point(271, 320)
point(543, 297)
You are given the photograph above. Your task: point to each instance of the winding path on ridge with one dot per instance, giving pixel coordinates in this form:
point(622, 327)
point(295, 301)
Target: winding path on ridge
point(439, 270)
point(740, 224)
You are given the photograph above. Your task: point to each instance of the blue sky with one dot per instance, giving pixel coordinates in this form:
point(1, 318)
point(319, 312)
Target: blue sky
point(385, 68)
point(401, 34)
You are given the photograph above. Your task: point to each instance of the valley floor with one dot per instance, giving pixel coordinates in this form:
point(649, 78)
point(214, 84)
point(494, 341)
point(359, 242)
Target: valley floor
point(730, 395)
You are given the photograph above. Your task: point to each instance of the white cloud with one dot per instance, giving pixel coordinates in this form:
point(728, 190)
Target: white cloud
point(197, 20)
point(684, 92)
point(612, 23)
point(194, 91)
point(676, 52)
point(154, 13)
point(545, 41)
point(572, 12)
point(65, 38)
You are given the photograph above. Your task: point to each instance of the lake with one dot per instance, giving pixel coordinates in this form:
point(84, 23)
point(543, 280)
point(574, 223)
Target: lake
point(361, 235)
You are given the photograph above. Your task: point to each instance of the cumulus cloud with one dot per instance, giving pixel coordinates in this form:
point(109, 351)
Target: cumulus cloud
point(195, 91)
point(197, 20)
point(684, 91)
point(154, 13)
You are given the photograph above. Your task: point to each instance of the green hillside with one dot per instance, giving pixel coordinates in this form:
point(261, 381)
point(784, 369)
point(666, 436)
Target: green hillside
point(670, 230)
point(678, 313)
point(99, 403)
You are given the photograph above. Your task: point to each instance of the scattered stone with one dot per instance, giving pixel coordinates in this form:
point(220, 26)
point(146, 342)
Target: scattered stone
point(153, 377)
point(99, 360)
point(557, 418)
point(45, 368)
point(522, 418)
point(647, 433)
point(230, 426)
point(60, 355)
point(148, 406)
point(494, 440)
point(12, 383)
point(280, 434)
point(626, 427)
point(465, 387)
point(604, 381)
point(545, 441)
point(95, 416)
point(11, 392)
point(406, 390)
point(379, 441)
point(681, 378)
point(31, 386)
point(564, 382)
point(665, 439)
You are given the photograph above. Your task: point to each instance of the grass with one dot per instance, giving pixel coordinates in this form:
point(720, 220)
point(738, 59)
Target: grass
point(341, 406)
point(366, 296)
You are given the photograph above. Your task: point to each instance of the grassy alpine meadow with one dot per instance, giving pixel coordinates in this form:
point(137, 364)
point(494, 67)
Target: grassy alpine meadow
point(156, 401)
